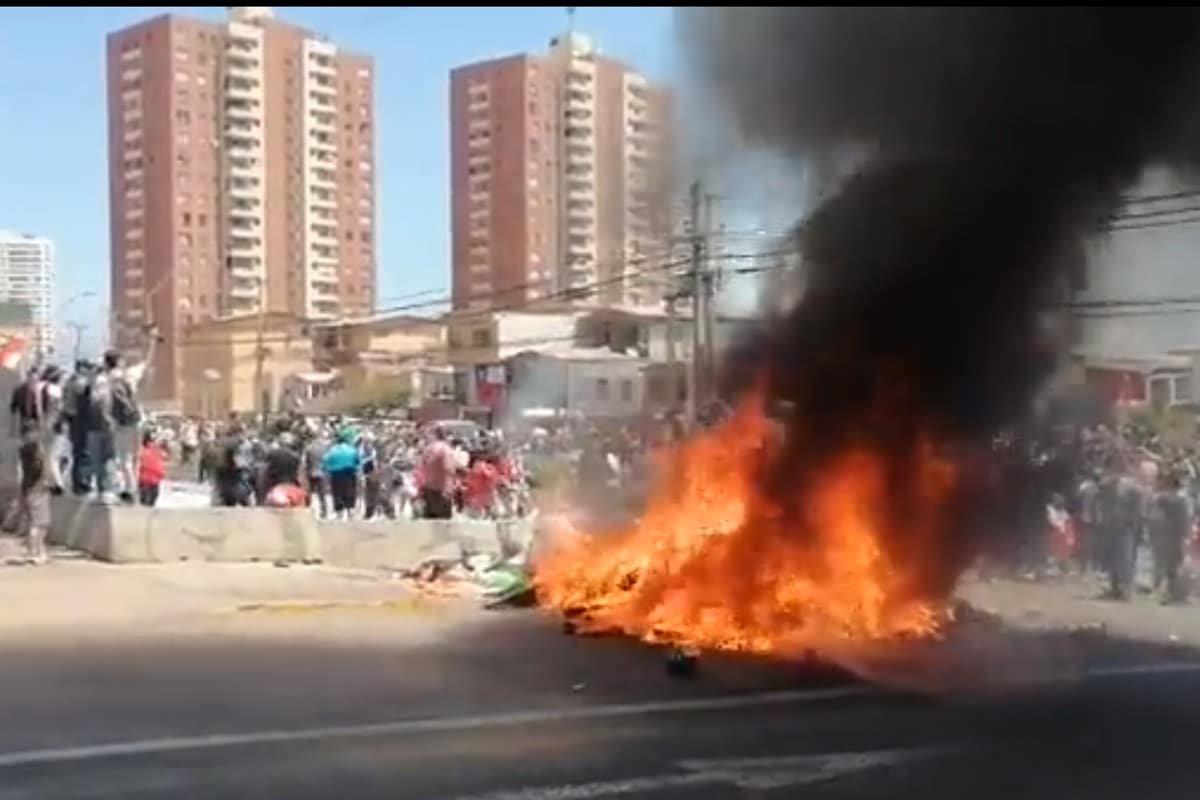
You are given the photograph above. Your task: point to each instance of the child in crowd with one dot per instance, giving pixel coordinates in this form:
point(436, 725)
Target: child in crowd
point(152, 468)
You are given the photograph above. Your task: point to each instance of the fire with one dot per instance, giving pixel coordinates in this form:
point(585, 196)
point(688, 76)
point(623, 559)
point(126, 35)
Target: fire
point(714, 562)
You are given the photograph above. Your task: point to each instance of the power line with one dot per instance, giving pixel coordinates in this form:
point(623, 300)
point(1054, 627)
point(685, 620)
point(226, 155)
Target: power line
point(414, 295)
point(1154, 198)
point(538, 284)
point(1159, 223)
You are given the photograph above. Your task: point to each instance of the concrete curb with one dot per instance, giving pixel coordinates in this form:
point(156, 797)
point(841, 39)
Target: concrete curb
point(133, 534)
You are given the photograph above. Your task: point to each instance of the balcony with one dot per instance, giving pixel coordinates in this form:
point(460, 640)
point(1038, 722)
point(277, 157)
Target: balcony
point(321, 64)
point(323, 235)
point(245, 166)
point(580, 224)
point(323, 121)
point(242, 144)
point(244, 290)
point(246, 191)
point(244, 224)
point(324, 276)
point(243, 88)
point(321, 293)
point(245, 209)
point(324, 253)
point(322, 96)
point(323, 177)
point(242, 107)
point(242, 63)
point(322, 201)
point(579, 98)
point(580, 188)
point(323, 144)
point(326, 265)
point(324, 214)
point(325, 308)
point(579, 151)
point(244, 243)
point(242, 125)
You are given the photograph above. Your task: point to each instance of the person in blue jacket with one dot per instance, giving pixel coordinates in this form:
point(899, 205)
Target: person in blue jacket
point(341, 463)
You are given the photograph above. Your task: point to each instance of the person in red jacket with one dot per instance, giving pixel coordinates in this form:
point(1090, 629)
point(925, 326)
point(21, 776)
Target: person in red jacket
point(152, 468)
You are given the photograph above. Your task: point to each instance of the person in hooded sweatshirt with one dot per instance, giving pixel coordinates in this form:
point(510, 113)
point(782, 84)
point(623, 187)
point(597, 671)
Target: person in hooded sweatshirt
point(340, 465)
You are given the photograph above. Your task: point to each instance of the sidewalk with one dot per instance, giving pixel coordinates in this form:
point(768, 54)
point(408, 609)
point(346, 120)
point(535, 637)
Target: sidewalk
point(1072, 602)
point(75, 596)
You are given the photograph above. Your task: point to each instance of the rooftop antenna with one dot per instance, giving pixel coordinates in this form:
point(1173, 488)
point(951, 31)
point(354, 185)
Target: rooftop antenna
point(570, 21)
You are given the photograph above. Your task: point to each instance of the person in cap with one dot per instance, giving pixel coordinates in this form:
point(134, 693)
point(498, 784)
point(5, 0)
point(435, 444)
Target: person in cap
point(340, 465)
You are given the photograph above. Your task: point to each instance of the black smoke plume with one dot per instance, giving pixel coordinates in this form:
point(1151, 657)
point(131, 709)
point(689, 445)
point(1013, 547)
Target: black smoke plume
point(991, 142)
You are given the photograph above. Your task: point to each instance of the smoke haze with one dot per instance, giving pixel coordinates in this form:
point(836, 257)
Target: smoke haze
point(992, 142)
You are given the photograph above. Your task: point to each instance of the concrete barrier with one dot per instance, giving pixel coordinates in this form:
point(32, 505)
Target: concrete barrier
point(133, 534)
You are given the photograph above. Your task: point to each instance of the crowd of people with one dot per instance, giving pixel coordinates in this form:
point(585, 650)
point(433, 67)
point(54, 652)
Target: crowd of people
point(1082, 498)
point(344, 469)
point(77, 431)
point(1093, 498)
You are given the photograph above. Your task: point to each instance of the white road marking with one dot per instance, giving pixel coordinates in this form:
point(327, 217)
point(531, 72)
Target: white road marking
point(588, 791)
point(430, 725)
point(773, 772)
point(1165, 668)
point(770, 772)
point(483, 721)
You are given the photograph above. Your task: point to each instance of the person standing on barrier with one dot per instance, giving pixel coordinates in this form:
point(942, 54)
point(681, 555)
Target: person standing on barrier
point(35, 493)
point(75, 415)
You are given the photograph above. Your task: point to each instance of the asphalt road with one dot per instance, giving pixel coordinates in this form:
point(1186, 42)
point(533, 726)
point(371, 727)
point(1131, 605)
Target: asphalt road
point(510, 708)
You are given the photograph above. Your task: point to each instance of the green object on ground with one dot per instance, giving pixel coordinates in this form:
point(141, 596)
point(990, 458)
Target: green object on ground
point(507, 585)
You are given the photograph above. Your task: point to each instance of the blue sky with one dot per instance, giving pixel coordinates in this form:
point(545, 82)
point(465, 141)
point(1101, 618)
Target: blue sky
point(52, 119)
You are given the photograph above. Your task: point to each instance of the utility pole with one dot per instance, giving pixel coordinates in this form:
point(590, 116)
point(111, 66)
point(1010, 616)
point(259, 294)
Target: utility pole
point(708, 280)
point(700, 289)
point(260, 353)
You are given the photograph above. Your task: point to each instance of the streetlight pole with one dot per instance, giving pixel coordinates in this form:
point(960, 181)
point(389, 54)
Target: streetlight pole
point(62, 310)
point(76, 350)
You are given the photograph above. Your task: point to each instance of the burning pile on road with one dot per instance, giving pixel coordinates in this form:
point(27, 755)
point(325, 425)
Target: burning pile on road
point(716, 562)
point(978, 171)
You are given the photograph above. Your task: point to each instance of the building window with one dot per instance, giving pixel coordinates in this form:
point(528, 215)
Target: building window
point(602, 389)
point(187, 218)
point(626, 390)
point(480, 337)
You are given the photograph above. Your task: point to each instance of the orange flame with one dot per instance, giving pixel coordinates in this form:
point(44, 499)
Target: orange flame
point(714, 562)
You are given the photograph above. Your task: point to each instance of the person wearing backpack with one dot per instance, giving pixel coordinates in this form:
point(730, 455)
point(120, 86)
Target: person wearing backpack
point(113, 438)
point(75, 414)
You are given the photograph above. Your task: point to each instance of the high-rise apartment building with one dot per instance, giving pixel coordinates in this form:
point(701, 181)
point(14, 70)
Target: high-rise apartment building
point(241, 177)
point(27, 278)
point(559, 179)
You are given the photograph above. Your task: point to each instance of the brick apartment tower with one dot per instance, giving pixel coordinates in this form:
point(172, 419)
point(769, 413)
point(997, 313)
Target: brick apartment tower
point(560, 179)
point(241, 177)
